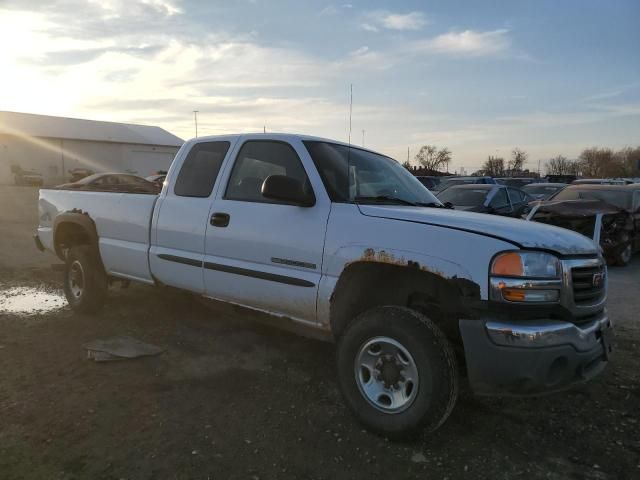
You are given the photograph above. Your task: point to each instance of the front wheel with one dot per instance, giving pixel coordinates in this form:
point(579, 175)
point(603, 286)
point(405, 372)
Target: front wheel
point(397, 372)
point(85, 281)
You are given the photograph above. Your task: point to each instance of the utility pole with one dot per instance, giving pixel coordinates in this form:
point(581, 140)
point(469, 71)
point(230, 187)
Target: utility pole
point(408, 154)
point(264, 129)
point(195, 120)
point(362, 138)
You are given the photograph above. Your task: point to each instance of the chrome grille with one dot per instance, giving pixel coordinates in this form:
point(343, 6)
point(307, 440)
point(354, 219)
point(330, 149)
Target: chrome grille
point(589, 284)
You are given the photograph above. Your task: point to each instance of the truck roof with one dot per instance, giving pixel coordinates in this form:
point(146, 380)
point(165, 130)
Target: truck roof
point(283, 137)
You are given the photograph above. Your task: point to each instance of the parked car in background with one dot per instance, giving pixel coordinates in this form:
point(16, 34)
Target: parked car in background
point(79, 174)
point(601, 181)
point(542, 191)
point(447, 182)
point(27, 177)
point(431, 182)
point(517, 182)
point(560, 178)
point(577, 207)
point(113, 182)
point(157, 178)
point(493, 199)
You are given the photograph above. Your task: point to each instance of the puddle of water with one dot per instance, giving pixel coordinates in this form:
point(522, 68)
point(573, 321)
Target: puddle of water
point(30, 301)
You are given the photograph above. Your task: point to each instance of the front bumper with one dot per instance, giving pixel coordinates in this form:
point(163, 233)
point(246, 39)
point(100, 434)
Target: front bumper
point(534, 356)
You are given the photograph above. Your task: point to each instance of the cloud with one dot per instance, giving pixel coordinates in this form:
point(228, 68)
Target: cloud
point(382, 19)
point(467, 43)
point(335, 9)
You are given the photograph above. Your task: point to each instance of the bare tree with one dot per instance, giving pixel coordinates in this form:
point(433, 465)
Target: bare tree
point(561, 165)
point(433, 159)
point(518, 159)
point(493, 166)
point(628, 160)
point(598, 162)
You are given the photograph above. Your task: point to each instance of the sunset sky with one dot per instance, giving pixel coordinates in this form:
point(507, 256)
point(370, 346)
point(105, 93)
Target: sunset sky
point(479, 77)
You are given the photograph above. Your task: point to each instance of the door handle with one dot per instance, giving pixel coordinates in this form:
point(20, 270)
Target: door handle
point(219, 219)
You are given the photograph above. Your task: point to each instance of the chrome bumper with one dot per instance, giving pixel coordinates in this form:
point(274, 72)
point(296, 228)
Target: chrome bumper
point(531, 357)
point(548, 333)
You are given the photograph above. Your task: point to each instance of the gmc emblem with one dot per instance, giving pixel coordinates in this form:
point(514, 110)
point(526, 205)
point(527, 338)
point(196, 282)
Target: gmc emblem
point(597, 280)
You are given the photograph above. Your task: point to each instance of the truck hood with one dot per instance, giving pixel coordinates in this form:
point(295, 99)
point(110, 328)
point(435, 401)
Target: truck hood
point(520, 232)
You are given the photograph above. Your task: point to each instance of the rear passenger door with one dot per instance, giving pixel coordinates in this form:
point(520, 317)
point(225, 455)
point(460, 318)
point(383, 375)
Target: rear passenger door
point(182, 215)
point(263, 253)
point(518, 201)
point(499, 203)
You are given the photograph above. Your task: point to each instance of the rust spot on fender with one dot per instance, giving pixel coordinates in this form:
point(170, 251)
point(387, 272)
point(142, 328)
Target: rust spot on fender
point(382, 256)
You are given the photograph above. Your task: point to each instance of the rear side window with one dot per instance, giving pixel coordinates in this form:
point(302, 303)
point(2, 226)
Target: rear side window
point(500, 199)
point(200, 169)
point(256, 161)
point(516, 196)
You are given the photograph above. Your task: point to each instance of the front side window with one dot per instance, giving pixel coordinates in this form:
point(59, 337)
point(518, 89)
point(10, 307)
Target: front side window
point(257, 160)
point(354, 175)
point(200, 169)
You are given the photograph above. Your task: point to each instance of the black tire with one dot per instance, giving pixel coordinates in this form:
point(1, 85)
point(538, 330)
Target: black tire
point(437, 389)
point(85, 281)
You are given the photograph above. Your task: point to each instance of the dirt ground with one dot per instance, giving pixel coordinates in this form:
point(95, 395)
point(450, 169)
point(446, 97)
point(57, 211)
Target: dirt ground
point(231, 398)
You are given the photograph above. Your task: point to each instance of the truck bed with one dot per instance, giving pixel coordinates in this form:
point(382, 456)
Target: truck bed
point(122, 220)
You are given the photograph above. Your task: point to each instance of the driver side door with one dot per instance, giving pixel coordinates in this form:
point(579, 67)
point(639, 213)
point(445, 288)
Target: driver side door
point(260, 252)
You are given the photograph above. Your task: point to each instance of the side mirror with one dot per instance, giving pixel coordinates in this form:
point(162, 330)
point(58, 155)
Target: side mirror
point(288, 190)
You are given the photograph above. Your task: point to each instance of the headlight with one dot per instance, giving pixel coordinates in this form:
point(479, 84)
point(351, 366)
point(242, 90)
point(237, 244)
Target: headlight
point(525, 277)
point(526, 264)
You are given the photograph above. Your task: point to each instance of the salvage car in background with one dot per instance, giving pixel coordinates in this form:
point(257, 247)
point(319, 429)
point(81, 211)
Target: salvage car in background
point(542, 191)
point(113, 182)
point(429, 181)
point(517, 182)
point(577, 208)
point(157, 178)
point(493, 199)
point(451, 181)
point(601, 181)
point(79, 173)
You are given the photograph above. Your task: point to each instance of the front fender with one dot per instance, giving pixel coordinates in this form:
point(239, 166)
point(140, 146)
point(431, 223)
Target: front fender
point(336, 262)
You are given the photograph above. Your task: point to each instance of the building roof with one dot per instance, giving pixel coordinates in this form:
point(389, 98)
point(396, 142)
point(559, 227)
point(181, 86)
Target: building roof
point(45, 126)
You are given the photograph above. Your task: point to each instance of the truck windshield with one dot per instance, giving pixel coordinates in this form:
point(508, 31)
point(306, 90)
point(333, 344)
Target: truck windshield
point(354, 175)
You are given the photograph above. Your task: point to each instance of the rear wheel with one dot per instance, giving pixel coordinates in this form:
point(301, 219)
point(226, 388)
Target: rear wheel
point(397, 372)
point(85, 281)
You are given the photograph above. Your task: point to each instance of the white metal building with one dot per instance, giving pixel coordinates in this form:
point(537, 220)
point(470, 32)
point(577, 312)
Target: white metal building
point(51, 146)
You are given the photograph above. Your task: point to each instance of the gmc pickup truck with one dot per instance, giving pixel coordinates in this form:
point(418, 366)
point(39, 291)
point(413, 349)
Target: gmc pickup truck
point(346, 241)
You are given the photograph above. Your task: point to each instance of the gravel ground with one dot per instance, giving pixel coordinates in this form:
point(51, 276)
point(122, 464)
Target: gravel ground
point(232, 398)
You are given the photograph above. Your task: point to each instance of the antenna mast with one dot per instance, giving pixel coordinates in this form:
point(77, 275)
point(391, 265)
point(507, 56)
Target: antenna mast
point(350, 109)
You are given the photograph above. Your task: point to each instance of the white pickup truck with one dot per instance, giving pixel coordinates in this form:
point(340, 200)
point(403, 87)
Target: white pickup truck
point(346, 241)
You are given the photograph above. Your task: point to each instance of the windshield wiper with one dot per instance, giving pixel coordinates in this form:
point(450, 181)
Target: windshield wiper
point(385, 198)
point(433, 205)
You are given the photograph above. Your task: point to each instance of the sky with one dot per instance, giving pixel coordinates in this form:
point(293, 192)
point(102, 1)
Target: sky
point(477, 77)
